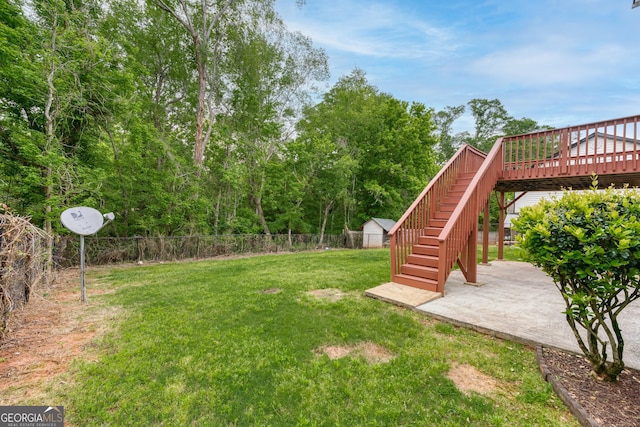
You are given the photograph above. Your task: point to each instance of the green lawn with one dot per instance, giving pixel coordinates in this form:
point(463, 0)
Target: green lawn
point(510, 253)
point(202, 344)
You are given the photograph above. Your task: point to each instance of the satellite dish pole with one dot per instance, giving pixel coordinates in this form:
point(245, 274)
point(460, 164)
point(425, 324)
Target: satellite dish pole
point(85, 222)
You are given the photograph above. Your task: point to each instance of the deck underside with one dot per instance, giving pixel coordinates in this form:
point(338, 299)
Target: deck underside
point(574, 182)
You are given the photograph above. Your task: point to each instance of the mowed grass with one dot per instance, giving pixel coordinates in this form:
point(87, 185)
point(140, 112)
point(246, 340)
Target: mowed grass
point(510, 253)
point(203, 344)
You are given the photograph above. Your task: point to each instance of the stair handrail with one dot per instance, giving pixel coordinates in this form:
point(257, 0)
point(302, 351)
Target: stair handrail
point(454, 236)
point(405, 233)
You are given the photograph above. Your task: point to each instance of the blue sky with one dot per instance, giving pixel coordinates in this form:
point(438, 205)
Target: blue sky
point(559, 62)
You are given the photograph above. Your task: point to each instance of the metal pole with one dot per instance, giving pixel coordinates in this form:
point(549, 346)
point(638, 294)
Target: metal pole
point(83, 291)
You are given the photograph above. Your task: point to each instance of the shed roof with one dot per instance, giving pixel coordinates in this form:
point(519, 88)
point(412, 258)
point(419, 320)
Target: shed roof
point(386, 224)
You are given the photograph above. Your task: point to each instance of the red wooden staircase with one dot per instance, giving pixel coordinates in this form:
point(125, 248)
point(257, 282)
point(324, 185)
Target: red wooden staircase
point(440, 229)
point(421, 267)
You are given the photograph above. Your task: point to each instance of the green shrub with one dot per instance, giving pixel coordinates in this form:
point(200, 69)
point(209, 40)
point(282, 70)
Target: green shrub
point(589, 243)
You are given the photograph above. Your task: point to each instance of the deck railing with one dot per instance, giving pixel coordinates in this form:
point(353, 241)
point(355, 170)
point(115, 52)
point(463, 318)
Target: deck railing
point(455, 237)
point(413, 223)
point(606, 147)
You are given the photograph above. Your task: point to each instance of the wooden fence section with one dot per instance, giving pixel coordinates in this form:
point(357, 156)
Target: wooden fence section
point(568, 157)
point(413, 223)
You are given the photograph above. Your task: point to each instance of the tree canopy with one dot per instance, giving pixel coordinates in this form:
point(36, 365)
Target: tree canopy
point(185, 117)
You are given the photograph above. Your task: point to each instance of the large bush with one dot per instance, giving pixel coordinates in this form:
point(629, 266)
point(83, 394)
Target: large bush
point(589, 243)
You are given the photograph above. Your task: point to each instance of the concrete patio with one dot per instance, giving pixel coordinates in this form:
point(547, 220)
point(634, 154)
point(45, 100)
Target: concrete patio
point(516, 301)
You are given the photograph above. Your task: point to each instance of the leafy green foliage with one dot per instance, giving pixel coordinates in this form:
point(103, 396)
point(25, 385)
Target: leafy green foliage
point(490, 118)
point(115, 105)
point(589, 243)
point(447, 142)
point(389, 141)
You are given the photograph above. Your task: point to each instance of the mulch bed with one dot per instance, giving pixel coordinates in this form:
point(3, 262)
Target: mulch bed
point(594, 402)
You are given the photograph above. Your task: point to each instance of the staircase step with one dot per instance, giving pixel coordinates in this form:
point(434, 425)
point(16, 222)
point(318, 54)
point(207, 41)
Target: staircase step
point(424, 260)
point(419, 271)
point(458, 187)
point(466, 174)
point(442, 215)
point(416, 282)
point(448, 206)
point(429, 241)
point(425, 250)
point(453, 199)
point(432, 231)
point(438, 223)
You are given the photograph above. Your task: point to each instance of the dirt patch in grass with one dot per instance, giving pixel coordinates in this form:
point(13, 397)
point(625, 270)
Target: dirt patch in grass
point(46, 335)
point(330, 294)
point(271, 291)
point(469, 380)
point(371, 352)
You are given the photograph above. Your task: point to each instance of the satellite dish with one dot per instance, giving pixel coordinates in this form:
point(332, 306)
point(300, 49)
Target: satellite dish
point(85, 222)
point(82, 220)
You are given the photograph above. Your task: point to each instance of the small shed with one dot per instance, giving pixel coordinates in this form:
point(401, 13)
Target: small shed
point(375, 232)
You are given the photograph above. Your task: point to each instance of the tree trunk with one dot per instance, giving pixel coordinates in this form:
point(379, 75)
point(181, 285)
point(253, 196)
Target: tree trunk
point(48, 227)
point(327, 209)
point(198, 151)
point(50, 140)
point(261, 218)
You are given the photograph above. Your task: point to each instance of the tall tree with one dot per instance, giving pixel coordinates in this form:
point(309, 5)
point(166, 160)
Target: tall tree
point(65, 72)
point(321, 170)
point(21, 93)
point(443, 121)
point(151, 141)
point(270, 72)
point(205, 22)
point(490, 117)
point(390, 142)
point(522, 126)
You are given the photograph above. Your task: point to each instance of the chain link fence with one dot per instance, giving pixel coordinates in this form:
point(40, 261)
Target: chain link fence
point(111, 250)
point(114, 250)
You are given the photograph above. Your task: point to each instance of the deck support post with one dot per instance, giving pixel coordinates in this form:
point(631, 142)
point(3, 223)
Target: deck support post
point(472, 256)
point(503, 208)
point(485, 233)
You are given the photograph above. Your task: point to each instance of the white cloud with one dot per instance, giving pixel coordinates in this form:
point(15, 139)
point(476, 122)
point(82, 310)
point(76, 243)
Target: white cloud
point(550, 63)
point(558, 62)
point(370, 29)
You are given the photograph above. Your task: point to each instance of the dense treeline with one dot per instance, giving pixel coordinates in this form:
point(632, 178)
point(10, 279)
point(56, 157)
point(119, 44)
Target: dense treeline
point(187, 117)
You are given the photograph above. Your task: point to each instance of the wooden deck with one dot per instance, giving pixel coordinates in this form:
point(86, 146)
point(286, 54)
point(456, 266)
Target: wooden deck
point(566, 158)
